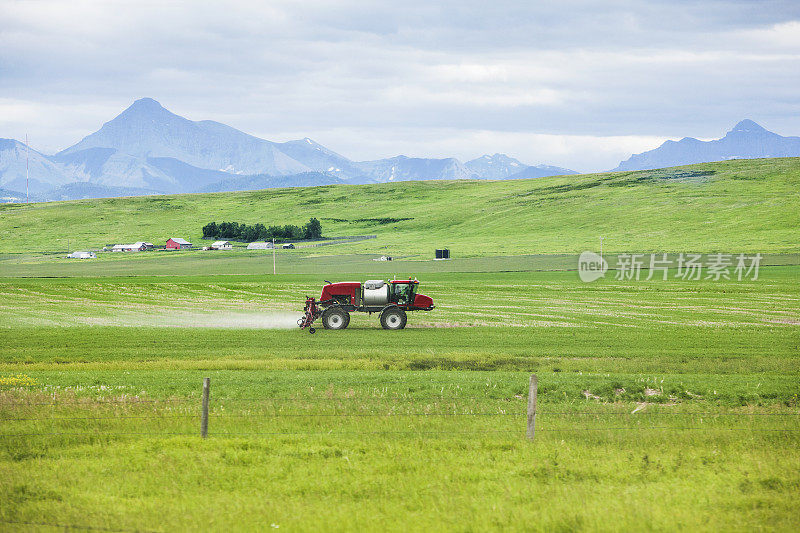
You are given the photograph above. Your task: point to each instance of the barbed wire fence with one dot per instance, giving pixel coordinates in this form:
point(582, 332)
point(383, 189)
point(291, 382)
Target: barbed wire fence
point(319, 408)
point(202, 417)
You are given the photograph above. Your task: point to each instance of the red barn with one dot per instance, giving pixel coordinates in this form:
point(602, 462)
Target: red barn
point(178, 244)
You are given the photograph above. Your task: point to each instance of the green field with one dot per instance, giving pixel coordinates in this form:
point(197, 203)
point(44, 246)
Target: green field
point(741, 206)
point(346, 430)
point(662, 404)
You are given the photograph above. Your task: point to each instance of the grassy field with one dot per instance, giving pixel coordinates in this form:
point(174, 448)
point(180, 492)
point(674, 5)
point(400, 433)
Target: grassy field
point(735, 206)
point(243, 263)
point(667, 404)
point(498, 320)
point(395, 451)
point(361, 461)
point(662, 404)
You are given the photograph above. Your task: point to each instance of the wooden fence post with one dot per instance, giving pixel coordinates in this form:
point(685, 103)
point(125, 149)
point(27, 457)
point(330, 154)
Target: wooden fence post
point(204, 419)
point(532, 406)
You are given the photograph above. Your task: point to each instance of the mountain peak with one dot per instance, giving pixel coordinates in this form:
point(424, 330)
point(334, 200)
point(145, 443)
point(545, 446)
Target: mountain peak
point(747, 140)
point(747, 125)
point(147, 102)
point(144, 106)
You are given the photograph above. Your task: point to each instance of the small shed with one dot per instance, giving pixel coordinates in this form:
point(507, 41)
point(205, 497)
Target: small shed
point(288, 246)
point(176, 243)
point(443, 253)
point(222, 245)
point(260, 246)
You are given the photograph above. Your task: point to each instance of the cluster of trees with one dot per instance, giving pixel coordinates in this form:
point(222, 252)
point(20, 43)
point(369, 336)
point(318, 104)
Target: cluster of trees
point(259, 232)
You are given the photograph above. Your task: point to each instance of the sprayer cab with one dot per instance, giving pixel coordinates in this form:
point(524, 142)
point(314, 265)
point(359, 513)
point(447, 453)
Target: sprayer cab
point(392, 299)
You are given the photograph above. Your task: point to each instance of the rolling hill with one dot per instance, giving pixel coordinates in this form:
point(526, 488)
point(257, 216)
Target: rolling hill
point(733, 206)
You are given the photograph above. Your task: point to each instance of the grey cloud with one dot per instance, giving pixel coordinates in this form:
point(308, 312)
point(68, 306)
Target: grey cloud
point(577, 68)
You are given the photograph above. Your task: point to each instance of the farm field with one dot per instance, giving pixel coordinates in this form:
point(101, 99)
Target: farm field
point(679, 398)
point(733, 206)
point(662, 404)
point(350, 450)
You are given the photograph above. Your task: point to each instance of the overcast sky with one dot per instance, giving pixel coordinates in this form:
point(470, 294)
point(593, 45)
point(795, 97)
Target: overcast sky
point(580, 84)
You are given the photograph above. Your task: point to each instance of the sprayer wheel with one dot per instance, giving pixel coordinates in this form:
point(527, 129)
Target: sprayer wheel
point(393, 318)
point(335, 318)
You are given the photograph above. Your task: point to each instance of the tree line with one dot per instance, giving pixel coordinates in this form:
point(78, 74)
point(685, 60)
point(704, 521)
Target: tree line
point(259, 232)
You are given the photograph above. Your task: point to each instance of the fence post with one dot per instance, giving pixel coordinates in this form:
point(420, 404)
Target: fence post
point(204, 419)
point(532, 406)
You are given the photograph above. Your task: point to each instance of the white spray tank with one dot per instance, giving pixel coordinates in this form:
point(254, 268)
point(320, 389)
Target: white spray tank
point(376, 292)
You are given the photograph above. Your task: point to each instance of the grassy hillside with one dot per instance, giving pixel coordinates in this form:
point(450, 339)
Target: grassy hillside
point(737, 206)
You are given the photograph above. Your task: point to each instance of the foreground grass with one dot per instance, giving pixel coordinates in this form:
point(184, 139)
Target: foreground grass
point(648, 481)
point(615, 349)
point(567, 388)
point(398, 451)
point(736, 206)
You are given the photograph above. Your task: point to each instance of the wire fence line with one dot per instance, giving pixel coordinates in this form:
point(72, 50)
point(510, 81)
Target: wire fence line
point(393, 414)
point(148, 417)
point(324, 398)
point(87, 400)
point(215, 410)
point(332, 432)
point(133, 402)
point(655, 411)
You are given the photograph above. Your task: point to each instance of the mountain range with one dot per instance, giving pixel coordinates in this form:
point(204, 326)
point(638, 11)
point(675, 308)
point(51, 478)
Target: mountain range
point(747, 140)
point(147, 149)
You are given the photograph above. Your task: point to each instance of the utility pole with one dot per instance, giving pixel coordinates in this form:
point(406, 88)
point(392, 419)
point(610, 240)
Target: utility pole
point(27, 150)
point(273, 256)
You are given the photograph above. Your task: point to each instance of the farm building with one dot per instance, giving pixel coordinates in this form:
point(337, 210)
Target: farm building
point(288, 246)
point(260, 246)
point(82, 255)
point(176, 243)
point(135, 247)
point(222, 245)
